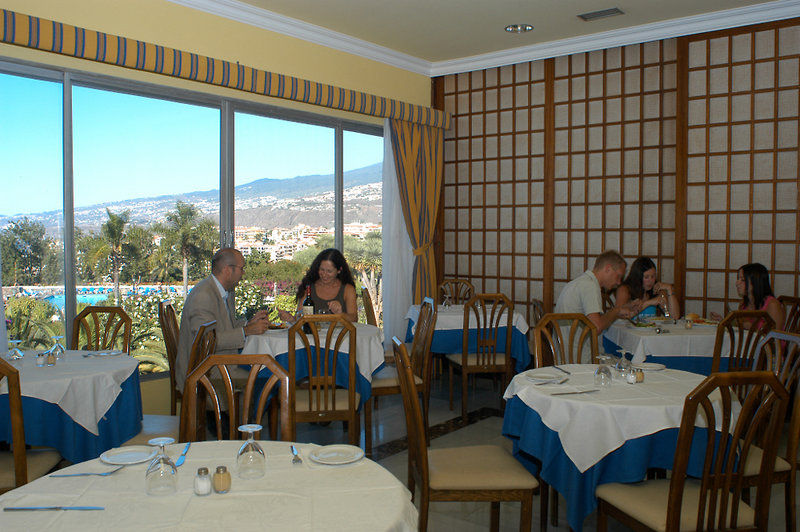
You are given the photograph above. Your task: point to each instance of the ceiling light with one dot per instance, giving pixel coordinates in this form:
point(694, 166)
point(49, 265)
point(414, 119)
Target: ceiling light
point(603, 13)
point(518, 28)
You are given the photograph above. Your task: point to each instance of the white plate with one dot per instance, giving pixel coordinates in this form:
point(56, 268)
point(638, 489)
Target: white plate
point(649, 366)
point(336, 454)
point(133, 454)
point(107, 353)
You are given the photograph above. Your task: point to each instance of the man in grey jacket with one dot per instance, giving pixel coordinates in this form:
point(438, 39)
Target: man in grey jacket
point(212, 300)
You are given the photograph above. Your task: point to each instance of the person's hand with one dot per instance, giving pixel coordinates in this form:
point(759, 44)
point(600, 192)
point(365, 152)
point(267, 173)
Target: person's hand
point(261, 314)
point(715, 316)
point(257, 325)
point(663, 286)
point(335, 307)
point(285, 316)
point(630, 309)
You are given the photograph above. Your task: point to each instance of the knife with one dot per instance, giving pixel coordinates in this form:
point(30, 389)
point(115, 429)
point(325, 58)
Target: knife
point(35, 508)
point(182, 457)
point(562, 370)
point(574, 393)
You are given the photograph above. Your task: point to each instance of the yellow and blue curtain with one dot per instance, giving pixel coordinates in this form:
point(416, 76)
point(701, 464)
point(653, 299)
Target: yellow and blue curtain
point(419, 161)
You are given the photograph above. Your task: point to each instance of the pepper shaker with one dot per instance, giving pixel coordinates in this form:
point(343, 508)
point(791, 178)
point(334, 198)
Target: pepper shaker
point(222, 480)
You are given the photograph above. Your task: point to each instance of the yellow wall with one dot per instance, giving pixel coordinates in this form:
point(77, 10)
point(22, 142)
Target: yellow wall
point(167, 24)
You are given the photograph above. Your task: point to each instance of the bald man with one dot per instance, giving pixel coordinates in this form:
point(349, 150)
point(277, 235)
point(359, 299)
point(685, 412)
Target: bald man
point(212, 300)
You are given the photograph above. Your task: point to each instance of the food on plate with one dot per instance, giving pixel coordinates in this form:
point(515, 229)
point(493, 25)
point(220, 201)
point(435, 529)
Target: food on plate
point(692, 316)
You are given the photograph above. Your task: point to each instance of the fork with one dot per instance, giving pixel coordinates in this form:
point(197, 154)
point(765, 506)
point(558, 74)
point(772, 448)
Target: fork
point(296, 458)
point(104, 474)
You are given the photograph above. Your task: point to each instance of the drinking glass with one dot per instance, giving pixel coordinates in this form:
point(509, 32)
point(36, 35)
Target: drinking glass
point(446, 302)
point(250, 459)
point(58, 349)
point(602, 375)
point(162, 476)
point(14, 352)
point(623, 365)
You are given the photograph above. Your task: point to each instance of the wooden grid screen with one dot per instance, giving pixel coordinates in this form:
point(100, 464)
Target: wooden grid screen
point(614, 173)
point(493, 181)
point(742, 168)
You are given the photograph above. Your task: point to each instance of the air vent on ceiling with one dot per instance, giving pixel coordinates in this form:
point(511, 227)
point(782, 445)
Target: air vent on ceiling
point(603, 13)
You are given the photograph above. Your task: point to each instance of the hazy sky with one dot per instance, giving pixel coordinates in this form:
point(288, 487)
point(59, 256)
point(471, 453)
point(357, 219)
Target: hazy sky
point(129, 146)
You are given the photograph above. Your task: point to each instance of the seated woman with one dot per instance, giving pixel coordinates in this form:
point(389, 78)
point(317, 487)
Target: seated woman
point(641, 285)
point(332, 287)
point(752, 284)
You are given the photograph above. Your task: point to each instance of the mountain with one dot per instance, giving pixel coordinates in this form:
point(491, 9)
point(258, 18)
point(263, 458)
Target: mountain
point(265, 202)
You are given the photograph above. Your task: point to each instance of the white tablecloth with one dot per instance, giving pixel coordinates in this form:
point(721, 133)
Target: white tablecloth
point(83, 387)
point(369, 355)
point(592, 425)
point(361, 496)
point(452, 317)
point(679, 341)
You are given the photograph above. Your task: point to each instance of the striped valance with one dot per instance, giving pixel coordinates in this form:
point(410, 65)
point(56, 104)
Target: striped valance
point(64, 39)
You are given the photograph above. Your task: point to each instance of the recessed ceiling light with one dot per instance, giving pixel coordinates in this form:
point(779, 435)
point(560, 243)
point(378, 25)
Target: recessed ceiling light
point(518, 28)
point(603, 13)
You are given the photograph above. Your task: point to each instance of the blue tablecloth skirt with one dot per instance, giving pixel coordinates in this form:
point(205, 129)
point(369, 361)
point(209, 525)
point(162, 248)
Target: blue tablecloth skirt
point(693, 364)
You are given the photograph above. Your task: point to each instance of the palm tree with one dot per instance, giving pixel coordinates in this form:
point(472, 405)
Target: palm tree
point(190, 236)
point(115, 245)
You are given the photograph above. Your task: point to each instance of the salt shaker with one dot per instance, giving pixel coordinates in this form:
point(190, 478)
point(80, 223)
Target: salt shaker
point(222, 479)
point(202, 482)
point(630, 378)
point(40, 360)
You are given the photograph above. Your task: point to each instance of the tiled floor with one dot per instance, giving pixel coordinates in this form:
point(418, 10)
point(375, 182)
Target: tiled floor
point(484, 427)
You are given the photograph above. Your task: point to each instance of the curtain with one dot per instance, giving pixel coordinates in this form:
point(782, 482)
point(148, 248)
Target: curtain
point(418, 158)
point(398, 255)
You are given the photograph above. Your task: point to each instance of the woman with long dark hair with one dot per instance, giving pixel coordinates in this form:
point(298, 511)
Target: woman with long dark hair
point(333, 289)
point(641, 284)
point(752, 284)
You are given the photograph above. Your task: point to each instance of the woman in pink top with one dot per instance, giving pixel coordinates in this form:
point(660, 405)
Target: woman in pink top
point(752, 283)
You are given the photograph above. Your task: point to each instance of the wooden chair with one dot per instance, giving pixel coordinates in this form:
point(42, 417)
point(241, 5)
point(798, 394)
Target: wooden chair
point(792, 305)
point(369, 308)
point(782, 350)
point(321, 399)
point(744, 330)
point(563, 338)
point(170, 332)
point(96, 328)
point(537, 311)
point(459, 290)
point(489, 313)
point(386, 381)
point(477, 473)
point(211, 383)
point(154, 426)
point(19, 466)
point(711, 500)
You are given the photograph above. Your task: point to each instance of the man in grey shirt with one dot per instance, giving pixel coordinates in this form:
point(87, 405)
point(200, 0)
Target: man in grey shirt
point(583, 294)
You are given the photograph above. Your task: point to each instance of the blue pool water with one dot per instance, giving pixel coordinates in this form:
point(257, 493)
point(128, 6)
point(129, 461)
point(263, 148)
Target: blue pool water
point(91, 299)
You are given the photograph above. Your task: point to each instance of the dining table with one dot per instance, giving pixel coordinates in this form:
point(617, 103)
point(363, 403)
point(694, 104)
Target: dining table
point(354, 496)
point(667, 342)
point(449, 333)
point(85, 404)
point(369, 355)
point(576, 435)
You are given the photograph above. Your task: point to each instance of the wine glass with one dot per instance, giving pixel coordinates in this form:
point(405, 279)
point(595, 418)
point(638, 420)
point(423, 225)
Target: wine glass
point(602, 375)
point(14, 352)
point(250, 459)
point(446, 302)
point(623, 365)
point(58, 349)
point(162, 476)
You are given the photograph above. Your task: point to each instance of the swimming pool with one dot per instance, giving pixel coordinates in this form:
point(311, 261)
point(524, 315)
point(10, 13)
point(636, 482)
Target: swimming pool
point(91, 299)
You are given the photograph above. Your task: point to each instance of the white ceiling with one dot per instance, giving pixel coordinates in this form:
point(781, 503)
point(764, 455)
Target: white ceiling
point(435, 37)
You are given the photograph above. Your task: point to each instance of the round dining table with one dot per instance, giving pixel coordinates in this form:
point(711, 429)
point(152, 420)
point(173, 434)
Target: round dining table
point(355, 496)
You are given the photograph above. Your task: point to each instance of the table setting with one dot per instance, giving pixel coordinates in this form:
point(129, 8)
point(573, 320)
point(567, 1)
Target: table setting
point(80, 402)
point(245, 485)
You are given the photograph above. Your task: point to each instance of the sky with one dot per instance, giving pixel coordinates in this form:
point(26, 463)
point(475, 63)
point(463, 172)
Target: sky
point(130, 147)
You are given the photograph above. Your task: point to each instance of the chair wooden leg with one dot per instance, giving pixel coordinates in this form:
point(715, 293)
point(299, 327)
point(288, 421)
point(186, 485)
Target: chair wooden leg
point(790, 493)
point(526, 514)
point(426, 400)
point(368, 426)
point(423, 511)
point(602, 518)
point(450, 384)
point(411, 482)
point(544, 490)
point(354, 429)
point(464, 393)
point(494, 517)
point(553, 507)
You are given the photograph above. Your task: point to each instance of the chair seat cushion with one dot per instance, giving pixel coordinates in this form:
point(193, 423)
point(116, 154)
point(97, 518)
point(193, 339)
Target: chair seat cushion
point(647, 502)
point(302, 403)
point(387, 377)
point(154, 426)
point(478, 467)
point(472, 360)
point(753, 465)
point(40, 462)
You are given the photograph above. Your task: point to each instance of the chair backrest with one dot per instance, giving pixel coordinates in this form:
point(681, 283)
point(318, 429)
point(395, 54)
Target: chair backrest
point(96, 328)
point(489, 314)
point(168, 321)
point(210, 383)
point(423, 336)
point(11, 374)
point(415, 426)
point(369, 308)
point(205, 341)
point(322, 360)
point(563, 338)
point(459, 291)
point(537, 311)
point(759, 421)
point(744, 330)
point(608, 301)
point(792, 305)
